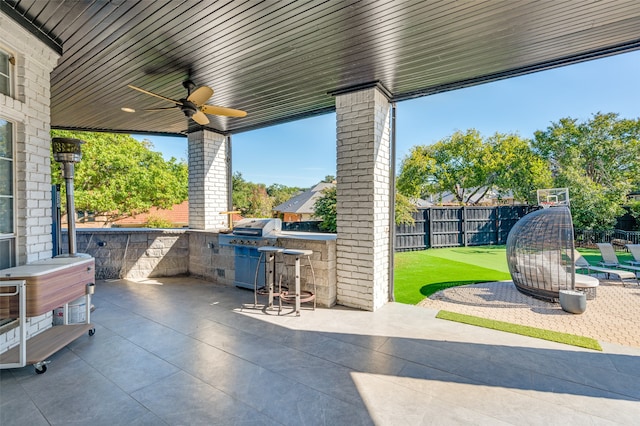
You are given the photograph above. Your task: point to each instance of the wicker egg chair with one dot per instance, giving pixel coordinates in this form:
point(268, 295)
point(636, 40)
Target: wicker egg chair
point(540, 253)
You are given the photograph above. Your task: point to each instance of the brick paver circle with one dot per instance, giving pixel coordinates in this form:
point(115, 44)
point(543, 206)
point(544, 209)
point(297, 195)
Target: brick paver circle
point(613, 316)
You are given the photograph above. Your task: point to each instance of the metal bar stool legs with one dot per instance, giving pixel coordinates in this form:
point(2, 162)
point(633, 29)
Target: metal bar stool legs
point(298, 297)
point(270, 276)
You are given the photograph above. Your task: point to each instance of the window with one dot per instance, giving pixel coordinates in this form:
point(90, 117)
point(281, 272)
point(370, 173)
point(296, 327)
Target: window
point(6, 62)
point(7, 202)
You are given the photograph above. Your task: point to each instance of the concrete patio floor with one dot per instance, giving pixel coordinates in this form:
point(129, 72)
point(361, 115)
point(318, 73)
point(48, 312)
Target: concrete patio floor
point(180, 351)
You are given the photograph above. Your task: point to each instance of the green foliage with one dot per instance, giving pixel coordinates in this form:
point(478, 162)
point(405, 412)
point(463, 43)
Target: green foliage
point(255, 199)
point(404, 210)
point(538, 333)
point(326, 209)
point(281, 193)
point(158, 222)
point(469, 167)
point(516, 168)
point(120, 176)
point(634, 210)
point(598, 160)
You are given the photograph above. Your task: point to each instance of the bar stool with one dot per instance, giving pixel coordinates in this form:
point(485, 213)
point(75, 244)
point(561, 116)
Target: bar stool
point(270, 276)
point(298, 296)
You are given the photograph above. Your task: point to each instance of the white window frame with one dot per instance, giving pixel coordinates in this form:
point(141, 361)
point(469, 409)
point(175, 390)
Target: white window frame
point(10, 76)
point(12, 237)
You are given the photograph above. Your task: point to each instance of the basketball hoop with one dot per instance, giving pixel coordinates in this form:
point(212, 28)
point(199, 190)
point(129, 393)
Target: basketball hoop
point(553, 197)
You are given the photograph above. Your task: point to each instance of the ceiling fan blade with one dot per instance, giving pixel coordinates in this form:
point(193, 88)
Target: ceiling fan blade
point(154, 94)
point(200, 118)
point(200, 95)
point(162, 109)
point(218, 110)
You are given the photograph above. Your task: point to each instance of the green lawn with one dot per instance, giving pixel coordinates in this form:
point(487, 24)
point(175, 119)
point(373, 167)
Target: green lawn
point(419, 274)
point(538, 333)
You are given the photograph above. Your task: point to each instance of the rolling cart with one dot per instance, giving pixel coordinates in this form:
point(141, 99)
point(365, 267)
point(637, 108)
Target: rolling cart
point(34, 289)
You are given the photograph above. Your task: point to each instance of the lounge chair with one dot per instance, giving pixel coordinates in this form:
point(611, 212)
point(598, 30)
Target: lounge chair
point(582, 264)
point(634, 249)
point(609, 257)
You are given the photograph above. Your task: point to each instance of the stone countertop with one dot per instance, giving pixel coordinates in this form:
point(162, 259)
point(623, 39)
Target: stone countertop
point(315, 236)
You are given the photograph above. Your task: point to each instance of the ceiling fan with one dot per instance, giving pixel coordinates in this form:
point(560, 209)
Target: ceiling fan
point(193, 106)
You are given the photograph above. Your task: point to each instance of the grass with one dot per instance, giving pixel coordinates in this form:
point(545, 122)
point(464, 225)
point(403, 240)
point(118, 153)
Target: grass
point(419, 274)
point(554, 336)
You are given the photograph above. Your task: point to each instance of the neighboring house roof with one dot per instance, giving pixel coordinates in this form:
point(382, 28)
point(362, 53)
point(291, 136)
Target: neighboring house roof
point(304, 202)
point(420, 203)
point(177, 214)
point(450, 198)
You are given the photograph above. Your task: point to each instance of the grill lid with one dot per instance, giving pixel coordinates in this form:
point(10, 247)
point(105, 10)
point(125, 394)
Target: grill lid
point(257, 227)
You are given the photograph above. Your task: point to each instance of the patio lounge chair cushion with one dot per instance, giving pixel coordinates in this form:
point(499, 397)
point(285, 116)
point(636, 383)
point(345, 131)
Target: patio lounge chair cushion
point(581, 263)
point(609, 257)
point(587, 284)
point(634, 249)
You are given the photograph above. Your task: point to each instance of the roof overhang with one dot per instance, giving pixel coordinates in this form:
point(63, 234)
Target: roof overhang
point(284, 61)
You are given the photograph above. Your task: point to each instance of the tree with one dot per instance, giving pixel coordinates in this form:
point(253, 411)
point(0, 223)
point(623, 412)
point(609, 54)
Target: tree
point(257, 200)
point(469, 167)
point(634, 211)
point(281, 193)
point(598, 160)
point(120, 176)
point(251, 199)
point(326, 209)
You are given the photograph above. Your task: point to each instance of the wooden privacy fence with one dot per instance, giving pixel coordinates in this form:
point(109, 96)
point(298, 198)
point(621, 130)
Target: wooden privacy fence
point(459, 226)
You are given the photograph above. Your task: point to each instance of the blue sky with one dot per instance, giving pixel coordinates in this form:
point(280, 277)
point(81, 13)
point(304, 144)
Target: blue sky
point(302, 153)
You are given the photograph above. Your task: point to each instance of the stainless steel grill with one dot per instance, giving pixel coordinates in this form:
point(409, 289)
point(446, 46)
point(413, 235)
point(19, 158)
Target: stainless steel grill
point(246, 237)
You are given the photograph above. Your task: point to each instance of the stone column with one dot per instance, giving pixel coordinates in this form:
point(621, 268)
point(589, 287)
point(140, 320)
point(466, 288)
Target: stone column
point(208, 180)
point(362, 250)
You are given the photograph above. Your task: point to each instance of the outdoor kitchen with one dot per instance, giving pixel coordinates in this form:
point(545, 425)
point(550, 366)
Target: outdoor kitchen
point(228, 259)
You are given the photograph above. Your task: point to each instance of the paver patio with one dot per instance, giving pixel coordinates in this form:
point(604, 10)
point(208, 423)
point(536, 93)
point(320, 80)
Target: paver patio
point(613, 316)
point(180, 351)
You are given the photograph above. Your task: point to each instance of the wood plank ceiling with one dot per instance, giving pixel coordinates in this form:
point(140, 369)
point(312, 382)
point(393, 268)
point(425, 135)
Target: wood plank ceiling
point(281, 60)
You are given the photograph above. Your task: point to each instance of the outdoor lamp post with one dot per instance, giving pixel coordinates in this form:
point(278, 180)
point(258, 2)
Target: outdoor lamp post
point(67, 152)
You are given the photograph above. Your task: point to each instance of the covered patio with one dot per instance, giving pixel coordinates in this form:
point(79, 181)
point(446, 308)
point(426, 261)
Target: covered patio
point(181, 351)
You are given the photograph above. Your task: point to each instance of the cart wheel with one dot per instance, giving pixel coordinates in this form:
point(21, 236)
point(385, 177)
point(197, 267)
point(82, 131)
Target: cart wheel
point(92, 332)
point(42, 369)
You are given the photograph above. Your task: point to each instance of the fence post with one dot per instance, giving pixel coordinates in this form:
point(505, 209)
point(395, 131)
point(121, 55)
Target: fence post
point(430, 227)
point(427, 222)
point(464, 225)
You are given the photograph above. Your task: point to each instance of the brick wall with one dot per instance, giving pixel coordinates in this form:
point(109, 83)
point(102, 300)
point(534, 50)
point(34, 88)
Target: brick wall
point(363, 198)
point(10, 335)
point(29, 110)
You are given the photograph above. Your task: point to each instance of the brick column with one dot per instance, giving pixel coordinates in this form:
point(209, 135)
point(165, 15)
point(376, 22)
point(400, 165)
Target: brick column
point(362, 250)
point(208, 182)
